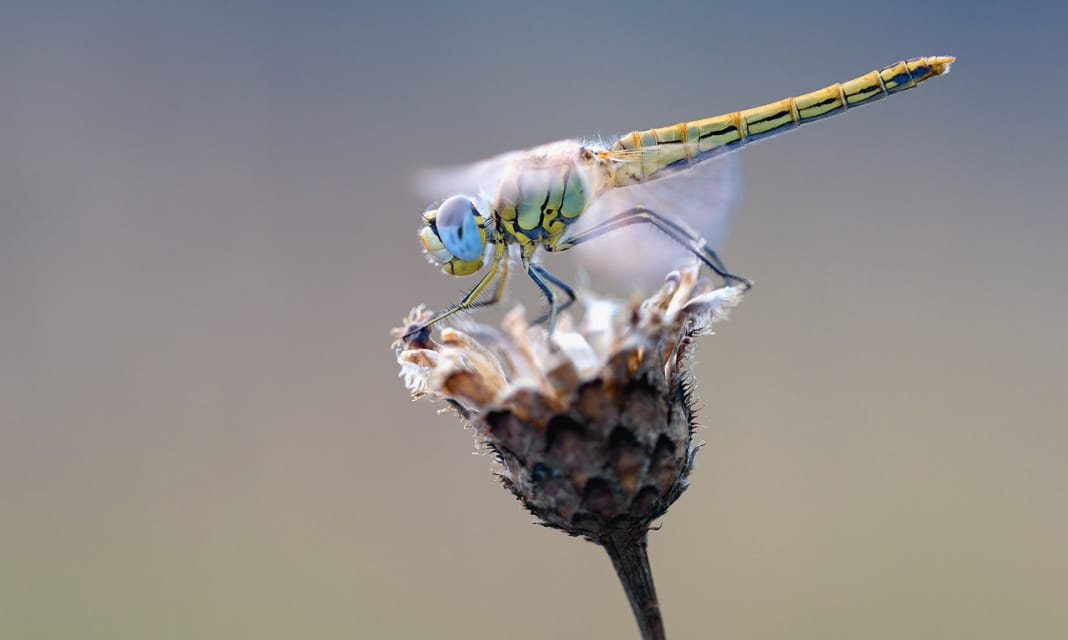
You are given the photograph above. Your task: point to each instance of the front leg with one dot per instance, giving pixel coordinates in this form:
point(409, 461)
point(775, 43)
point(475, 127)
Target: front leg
point(471, 301)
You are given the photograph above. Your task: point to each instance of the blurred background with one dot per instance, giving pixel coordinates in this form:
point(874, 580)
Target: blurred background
point(207, 230)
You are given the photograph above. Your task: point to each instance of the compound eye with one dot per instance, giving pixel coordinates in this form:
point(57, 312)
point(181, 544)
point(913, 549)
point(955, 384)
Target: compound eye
point(458, 228)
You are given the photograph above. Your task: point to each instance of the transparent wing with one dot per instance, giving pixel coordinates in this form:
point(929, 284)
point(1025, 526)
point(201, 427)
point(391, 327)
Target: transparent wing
point(705, 197)
point(483, 176)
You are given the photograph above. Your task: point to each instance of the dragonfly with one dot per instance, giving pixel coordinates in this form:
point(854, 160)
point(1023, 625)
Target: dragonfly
point(533, 200)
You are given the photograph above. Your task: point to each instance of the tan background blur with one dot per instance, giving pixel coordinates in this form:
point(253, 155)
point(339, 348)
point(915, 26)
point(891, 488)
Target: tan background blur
point(206, 232)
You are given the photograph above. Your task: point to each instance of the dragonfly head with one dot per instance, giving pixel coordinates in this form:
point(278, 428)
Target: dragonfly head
point(454, 236)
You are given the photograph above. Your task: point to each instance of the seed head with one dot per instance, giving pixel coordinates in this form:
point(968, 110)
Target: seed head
point(593, 428)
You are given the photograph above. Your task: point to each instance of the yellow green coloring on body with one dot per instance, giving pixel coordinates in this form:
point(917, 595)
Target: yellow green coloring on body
point(530, 199)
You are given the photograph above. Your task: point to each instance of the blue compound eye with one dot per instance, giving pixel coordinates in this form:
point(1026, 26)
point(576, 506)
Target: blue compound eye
point(458, 228)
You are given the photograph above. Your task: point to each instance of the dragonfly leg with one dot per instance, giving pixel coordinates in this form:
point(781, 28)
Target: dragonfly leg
point(470, 300)
point(498, 291)
point(675, 230)
point(543, 279)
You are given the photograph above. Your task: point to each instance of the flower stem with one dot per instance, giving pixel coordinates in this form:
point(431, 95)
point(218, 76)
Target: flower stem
point(627, 549)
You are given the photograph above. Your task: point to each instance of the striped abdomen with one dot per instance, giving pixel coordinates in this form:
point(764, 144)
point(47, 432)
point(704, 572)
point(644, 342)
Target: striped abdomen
point(667, 149)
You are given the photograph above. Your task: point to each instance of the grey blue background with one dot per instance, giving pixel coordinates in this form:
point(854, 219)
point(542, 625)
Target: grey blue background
point(206, 232)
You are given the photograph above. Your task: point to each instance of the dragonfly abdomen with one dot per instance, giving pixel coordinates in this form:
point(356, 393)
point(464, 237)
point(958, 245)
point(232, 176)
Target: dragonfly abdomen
point(665, 150)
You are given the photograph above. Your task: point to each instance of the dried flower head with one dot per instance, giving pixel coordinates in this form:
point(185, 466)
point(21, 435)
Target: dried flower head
point(593, 427)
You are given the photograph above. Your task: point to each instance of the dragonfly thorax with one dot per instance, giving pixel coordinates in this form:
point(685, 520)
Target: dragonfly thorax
point(536, 203)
